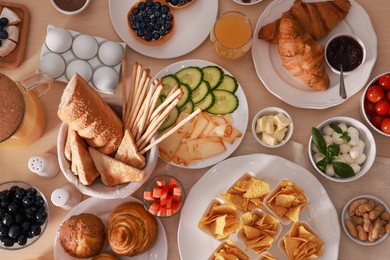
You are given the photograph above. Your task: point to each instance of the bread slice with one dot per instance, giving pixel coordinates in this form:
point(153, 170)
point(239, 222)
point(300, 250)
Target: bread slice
point(128, 152)
point(81, 159)
point(112, 171)
point(85, 111)
point(67, 150)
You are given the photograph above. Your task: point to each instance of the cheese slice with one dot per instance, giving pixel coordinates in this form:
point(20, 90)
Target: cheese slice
point(12, 17)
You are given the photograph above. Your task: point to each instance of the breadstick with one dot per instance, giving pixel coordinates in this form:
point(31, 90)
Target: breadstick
point(165, 103)
point(123, 90)
point(131, 93)
point(140, 98)
point(139, 82)
point(171, 131)
point(143, 113)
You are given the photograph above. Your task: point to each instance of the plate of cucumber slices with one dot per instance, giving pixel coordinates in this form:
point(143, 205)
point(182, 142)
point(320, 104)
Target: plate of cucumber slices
point(210, 87)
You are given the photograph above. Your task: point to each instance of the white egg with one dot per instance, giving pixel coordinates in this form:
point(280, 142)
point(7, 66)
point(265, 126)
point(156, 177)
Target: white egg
point(110, 53)
point(81, 67)
point(58, 40)
point(105, 79)
point(52, 64)
point(85, 47)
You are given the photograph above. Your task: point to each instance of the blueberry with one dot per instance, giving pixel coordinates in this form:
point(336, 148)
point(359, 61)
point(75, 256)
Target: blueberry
point(149, 3)
point(150, 12)
point(141, 33)
point(20, 193)
point(26, 225)
point(132, 17)
point(31, 191)
point(21, 240)
point(168, 17)
point(144, 14)
point(39, 202)
point(157, 26)
point(28, 200)
point(149, 28)
point(4, 21)
point(7, 241)
point(168, 26)
point(156, 36)
point(147, 19)
point(41, 217)
point(182, 2)
point(8, 219)
point(163, 31)
point(14, 231)
point(135, 10)
point(142, 6)
point(174, 2)
point(164, 9)
point(157, 14)
point(148, 36)
point(157, 6)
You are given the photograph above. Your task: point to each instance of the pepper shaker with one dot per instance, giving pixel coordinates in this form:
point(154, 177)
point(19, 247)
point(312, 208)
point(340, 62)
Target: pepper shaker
point(45, 165)
point(66, 197)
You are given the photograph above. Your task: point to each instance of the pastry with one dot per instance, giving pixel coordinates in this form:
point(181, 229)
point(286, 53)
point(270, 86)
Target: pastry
point(300, 54)
point(82, 235)
point(104, 256)
point(131, 230)
point(316, 18)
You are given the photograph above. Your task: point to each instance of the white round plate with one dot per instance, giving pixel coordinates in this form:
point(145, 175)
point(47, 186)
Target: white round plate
point(272, 169)
point(240, 116)
point(253, 2)
point(290, 89)
point(102, 208)
point(192, 26)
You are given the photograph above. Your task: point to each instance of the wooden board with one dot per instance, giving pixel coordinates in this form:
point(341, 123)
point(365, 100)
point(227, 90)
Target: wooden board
point(15, 58)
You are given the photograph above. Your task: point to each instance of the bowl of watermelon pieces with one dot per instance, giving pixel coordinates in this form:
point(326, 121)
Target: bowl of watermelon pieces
point(163, 196)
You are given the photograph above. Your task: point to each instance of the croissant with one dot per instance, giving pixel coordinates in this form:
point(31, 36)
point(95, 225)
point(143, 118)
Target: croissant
point(317, 19)
point(131, 230)
point(300, 54)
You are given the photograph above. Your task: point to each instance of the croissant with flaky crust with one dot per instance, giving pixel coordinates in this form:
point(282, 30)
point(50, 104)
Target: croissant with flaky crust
point(131, 230)
point(316, 18)
point(300, 54)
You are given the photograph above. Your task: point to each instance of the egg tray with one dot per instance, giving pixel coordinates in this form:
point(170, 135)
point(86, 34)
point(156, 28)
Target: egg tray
point(95, 63)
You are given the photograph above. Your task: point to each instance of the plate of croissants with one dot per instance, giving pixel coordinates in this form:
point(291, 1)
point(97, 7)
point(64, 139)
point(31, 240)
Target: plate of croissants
point(110, 229)
point(289, 44)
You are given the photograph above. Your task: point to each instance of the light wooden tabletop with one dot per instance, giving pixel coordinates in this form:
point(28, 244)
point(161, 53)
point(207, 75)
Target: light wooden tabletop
point(96, 21)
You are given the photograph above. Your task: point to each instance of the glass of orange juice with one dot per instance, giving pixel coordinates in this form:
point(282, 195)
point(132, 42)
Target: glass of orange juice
point(22, 117)
point(232, 35)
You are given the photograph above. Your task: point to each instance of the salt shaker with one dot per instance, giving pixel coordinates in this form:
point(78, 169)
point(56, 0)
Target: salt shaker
point(45, 165)
point(66, 197)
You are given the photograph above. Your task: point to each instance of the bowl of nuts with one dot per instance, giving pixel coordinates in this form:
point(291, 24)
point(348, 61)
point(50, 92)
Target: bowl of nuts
point(366, 220)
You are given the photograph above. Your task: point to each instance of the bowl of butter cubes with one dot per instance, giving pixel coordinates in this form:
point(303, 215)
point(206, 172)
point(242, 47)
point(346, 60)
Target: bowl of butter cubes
point(272, 127)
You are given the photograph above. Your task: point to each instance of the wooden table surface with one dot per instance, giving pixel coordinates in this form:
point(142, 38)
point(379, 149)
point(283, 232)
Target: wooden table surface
point(96, 21)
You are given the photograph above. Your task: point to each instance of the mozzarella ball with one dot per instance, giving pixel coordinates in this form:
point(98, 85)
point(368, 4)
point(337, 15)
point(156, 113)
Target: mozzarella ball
point(328, 139)
point(329, 170)
point(327, 130)
point(352, 131)
point(336, 138)
point(361, 159)
point(343, 127)
point(318, 157)
point(347, 158)
point(354, 140)
point(355, 167)
point(314, 148)
point(355, 152)
point(361, 144)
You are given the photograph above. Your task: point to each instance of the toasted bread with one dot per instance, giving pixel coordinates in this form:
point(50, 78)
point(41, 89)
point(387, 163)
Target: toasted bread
point(128, 152)
point(82, 160)
point(112, 171)
point(67, 150)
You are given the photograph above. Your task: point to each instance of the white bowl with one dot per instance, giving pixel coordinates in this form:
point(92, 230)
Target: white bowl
point(345, 216)
point(97, 189)
point(354, 37)
point(272, 111)
point(252, 2)
point(80, 10)
point(364, 135)
point(365, 116)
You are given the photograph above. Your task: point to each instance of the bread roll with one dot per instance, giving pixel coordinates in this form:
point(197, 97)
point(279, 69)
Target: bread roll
point(85, 111)
point(82, 235)
point(105, 256)
point(131, 230)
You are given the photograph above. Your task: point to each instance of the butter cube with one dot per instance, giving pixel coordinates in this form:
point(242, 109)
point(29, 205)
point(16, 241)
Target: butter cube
point(280, 134)
point(269, 126)
point(269, 139)
point(281, 121)
point(260, 124)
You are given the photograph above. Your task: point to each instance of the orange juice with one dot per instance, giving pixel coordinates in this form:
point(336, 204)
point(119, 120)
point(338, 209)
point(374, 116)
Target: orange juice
point(232, 35)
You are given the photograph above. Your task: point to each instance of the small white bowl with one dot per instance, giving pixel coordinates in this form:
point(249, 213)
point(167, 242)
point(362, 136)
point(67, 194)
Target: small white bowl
point(364, 134)
point(363, 113)
point(252, 2)
point(352, 37)
point(345, 216)
point(268, 111)
point(80, 10)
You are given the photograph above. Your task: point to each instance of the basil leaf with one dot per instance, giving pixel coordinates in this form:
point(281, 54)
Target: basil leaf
point(333, 151)
point(346, 138)
point(322, 163)
point(343, 170)
point(318, 140)
point(336, 128)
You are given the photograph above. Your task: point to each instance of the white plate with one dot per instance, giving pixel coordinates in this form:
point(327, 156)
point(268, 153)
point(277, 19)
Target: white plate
point(253, 2)
point(240, 116)
point(192, 26)
point(102, 208)
point(272, 169)
point(290, 89)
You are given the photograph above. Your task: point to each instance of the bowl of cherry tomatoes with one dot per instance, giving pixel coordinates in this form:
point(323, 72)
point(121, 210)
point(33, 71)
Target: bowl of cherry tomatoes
point(375, 104)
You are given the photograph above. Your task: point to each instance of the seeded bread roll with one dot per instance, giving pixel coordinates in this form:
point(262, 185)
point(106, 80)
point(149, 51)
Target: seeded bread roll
point(85, 111)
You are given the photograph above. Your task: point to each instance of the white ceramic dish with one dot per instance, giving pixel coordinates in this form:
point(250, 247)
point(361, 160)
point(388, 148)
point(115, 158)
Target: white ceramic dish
point(253, 2)
point(290, 89)
point(272, 169)
point(97, 189)
point(345, 216)
point(102, 209)
point(82, 9)
point(364, 135)
point(100, 60)
point(183, 40)
point(240, 116)
point(272, 111)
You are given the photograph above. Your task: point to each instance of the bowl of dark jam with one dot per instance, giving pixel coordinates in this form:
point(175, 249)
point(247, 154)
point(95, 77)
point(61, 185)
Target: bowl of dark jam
point(345, 50)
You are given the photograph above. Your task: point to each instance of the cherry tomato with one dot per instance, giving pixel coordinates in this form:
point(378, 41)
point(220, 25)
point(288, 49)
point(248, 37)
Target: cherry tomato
point(375, 94)
point(388, 95)
point(369, 107)
point(384, 81)
point(376, 120)
point(382, 107)
point(385, 125)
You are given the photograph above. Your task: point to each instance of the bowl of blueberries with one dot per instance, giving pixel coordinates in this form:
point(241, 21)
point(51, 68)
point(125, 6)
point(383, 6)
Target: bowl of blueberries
point(24, 213)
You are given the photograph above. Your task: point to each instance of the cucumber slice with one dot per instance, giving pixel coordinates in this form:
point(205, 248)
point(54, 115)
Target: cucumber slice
point(191, 75)
point(213, 75)
point(200, 92)
point(168, 82)
point(228, 83)
point(186, 94)
point(225, 102)
point(171, 119)
point(187, 107)
point(205, 103)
